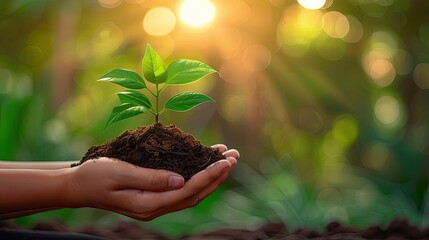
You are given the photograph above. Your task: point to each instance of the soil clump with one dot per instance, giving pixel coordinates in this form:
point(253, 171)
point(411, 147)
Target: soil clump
point(158, 147)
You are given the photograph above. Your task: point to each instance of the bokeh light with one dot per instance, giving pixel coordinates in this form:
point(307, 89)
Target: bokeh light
point(110, 3)
point(387, 110)
point(345, 129)
point(384, 42)
point(55, 130)
point(159, 21)
point(375, 156)
point(377, 62)
point(421, 75)
point(382, 72)
point(197, 13)
point(256, 58)
point(366, 195)
point(355, 33)
point(312, 4)
point(335, 24)
point(107, 39)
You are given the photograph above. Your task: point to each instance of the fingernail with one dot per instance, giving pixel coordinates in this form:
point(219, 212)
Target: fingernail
point(175, 181)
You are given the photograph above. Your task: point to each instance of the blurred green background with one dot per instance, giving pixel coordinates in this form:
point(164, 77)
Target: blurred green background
point(326, 100)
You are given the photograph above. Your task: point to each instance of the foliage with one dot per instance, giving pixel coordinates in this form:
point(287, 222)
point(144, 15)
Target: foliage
point(134, 102)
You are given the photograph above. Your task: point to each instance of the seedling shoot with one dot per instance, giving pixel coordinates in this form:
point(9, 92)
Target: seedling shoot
point(135, 100)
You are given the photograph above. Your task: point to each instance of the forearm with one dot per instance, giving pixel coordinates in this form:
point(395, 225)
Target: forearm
point(28, 189)
point(35, 165)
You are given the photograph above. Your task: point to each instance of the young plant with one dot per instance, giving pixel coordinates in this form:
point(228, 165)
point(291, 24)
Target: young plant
point(134, 102)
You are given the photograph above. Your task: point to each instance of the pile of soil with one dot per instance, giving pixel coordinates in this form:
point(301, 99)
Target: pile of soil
point(396, 230)
point(158, 147)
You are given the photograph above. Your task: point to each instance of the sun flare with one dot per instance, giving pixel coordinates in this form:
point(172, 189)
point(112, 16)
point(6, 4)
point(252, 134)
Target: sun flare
point(197, 13)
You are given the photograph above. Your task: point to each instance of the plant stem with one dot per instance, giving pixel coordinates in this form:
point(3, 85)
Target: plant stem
point(160, 90)
point(153, 94)
point(156, 102)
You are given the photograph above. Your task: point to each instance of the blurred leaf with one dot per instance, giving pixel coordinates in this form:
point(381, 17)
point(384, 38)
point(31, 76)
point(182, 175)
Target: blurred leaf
point(186, 71)
point(125, 78)
point(186, 101)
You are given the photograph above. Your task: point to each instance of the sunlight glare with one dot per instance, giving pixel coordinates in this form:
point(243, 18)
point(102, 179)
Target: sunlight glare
point(312, 4)
point(197, 13)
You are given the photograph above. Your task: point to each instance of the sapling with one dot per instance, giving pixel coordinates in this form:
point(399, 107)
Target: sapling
point(135, 102)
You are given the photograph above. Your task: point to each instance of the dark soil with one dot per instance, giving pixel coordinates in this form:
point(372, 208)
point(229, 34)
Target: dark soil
point(396, 230)
point(158, 147)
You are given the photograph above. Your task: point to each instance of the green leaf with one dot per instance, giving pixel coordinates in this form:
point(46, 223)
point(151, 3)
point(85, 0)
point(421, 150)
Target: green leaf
point(153, 66)
point(186, 71)
point(124, 111)
point(135, 97)
point(125, 78)
point(185, 101)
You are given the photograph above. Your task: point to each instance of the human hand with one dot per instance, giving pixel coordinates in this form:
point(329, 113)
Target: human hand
point(142, 193)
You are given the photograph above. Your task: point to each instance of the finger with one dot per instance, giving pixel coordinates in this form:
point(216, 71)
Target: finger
point(215, 184)
point(221, 147)
point(195, 200)
point(233, 161)
point(209, 189)
point(169, 201)
point(151, 179)
point(146, 212)
point(232, 153)
point(196, 184)
point(148, 205)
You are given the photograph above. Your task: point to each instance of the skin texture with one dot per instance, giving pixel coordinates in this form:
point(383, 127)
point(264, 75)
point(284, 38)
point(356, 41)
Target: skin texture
point(105, 183)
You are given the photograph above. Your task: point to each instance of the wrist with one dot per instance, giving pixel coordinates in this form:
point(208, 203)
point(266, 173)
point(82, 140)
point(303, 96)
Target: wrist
point(69, 196)
point(62, 192)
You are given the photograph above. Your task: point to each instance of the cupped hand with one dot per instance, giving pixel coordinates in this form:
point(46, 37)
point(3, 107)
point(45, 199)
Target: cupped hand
point(143, 193)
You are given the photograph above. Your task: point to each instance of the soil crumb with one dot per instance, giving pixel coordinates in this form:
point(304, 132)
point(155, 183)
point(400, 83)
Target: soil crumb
point(158, 147)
